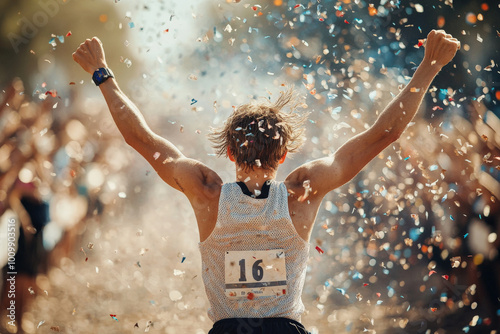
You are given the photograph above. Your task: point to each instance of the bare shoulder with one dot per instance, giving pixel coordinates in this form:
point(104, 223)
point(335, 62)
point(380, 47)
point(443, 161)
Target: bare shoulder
point(195, 179)
point(307, 180)
point(303, 201)
point(202, 186)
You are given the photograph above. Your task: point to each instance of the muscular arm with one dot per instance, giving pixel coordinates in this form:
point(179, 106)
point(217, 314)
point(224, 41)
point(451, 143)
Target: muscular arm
point(329, 173)
point(184, 174)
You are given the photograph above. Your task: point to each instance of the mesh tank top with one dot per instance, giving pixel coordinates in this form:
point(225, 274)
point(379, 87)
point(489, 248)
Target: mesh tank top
point(254, 261)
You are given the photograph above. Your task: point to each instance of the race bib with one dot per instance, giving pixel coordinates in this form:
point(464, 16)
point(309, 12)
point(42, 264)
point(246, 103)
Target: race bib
point(250, 274)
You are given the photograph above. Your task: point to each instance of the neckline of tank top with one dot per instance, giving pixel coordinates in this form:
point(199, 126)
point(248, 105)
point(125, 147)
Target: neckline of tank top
point(264, 192)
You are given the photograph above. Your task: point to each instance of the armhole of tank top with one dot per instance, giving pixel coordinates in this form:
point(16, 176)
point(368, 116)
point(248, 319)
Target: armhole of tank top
point(292, 226)
point(221, 197)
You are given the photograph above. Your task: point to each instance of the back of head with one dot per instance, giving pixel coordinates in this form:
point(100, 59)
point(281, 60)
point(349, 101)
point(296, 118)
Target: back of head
point(259, 134)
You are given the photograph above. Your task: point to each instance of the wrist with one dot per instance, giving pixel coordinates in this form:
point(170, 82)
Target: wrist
point(431, 66)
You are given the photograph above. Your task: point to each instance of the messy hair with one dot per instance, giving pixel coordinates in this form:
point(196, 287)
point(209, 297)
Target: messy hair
point(258, 134)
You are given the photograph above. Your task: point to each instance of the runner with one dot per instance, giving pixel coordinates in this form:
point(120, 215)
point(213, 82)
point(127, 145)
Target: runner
point(254, 233)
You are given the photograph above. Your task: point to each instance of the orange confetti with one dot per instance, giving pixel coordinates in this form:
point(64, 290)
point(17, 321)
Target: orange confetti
point(52, 92)
point(441, 21)
point(250, 296)
point(484, 6)
point(378, 294)
point(103, 18)
point(471, 18)
point(372, 10)
point(278, 2)
point(433, 309)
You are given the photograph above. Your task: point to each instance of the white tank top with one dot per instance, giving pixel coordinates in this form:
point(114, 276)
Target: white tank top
point(254, 261)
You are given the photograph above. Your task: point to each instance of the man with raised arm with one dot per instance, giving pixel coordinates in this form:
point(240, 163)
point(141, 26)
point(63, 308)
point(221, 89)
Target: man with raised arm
point(254, 233)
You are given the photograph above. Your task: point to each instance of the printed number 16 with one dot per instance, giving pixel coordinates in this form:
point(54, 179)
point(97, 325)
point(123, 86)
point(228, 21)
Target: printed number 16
point(257, 271)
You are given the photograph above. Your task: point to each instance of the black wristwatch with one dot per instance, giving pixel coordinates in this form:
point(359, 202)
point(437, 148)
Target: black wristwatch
point(102, 74)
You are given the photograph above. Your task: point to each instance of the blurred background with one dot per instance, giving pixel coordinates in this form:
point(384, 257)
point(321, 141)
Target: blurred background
point(104, 246)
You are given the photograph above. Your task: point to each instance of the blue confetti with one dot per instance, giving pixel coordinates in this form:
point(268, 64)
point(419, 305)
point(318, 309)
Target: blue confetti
point(193, 101)
point(131, 25)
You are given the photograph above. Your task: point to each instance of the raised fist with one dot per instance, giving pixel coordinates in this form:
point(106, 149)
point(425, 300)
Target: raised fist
point(90, 55)
point(440, 48)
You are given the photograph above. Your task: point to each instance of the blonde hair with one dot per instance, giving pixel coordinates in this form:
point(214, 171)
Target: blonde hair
point(259, 134)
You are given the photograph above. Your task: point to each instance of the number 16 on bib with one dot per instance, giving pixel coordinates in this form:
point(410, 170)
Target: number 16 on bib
point(255, 273)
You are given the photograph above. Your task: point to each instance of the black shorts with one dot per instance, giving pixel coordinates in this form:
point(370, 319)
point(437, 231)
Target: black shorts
point(258, 326)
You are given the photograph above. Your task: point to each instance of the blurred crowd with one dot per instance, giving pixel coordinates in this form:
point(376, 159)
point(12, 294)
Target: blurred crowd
point(51, 176)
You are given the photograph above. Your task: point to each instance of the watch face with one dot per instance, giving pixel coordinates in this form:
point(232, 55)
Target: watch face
point(100, 75)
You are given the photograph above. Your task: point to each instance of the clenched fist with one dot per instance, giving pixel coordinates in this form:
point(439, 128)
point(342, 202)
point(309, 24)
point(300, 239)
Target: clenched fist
point(90, 55)
point(440, 48)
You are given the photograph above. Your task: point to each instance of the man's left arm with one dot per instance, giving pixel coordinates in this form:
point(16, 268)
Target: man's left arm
point(329, 173)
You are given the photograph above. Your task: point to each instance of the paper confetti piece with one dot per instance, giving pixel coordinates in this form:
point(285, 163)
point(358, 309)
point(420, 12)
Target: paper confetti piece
point(319, 250)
